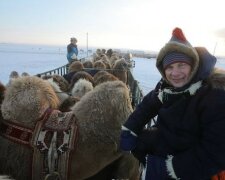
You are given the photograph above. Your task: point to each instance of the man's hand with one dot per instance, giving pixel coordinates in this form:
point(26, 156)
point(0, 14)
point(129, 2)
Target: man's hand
point(128, 140)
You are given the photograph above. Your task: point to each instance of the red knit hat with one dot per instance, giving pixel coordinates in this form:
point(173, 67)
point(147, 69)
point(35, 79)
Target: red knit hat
point(178, 35)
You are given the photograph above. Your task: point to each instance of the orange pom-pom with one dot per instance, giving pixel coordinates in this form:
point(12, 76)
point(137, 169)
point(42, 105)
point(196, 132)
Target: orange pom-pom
point(178, 33)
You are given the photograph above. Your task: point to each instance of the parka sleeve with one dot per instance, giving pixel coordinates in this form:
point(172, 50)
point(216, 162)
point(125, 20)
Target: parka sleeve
point(207, 157)
point(143, 113)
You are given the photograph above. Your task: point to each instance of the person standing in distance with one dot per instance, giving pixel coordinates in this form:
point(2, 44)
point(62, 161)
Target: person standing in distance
point(72, 50)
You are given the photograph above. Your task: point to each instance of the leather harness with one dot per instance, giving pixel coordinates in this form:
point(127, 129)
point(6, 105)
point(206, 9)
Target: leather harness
point(52, 140)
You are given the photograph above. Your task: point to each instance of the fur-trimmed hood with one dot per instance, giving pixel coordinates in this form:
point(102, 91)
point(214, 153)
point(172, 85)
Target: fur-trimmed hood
point(178, 43)
point(203, 62)
point(205, 74)
point(217, 79)
point(207, 71)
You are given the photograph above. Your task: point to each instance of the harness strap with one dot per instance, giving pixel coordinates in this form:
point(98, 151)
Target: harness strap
point(52, 141)
point(20, 134)
point(15, 133)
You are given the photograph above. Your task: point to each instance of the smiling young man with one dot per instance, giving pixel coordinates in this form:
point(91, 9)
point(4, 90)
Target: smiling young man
point(177, 68)
point(188, 140)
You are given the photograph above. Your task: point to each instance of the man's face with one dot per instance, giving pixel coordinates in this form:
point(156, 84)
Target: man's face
point(178, 74)
point(73, 41)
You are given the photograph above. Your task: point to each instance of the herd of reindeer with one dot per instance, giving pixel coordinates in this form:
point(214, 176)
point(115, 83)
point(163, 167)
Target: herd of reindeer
point(67, 127)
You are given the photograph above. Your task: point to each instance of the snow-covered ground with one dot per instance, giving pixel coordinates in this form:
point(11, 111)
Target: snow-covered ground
point(32, 59)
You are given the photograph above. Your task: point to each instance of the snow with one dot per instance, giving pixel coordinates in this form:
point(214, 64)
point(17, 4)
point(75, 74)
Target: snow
point(32, 59)
point(146, 73)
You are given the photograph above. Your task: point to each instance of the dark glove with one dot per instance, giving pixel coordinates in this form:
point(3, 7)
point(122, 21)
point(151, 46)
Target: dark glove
point(156, 168)
point(146, 143)
point(140, 152)
point(127, 141)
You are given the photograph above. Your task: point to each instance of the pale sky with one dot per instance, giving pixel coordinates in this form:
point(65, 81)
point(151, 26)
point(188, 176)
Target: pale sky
point(134, 24)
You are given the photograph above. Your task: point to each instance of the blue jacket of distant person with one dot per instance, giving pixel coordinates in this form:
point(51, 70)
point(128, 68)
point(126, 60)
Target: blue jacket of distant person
point(188, 140)
point(71, 50)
